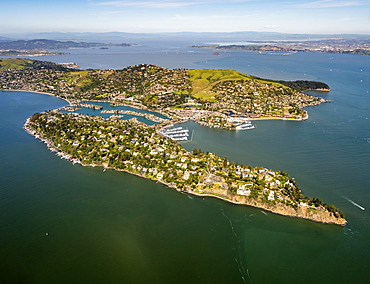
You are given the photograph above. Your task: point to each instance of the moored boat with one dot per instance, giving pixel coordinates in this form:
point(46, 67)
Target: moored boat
point(245, 126)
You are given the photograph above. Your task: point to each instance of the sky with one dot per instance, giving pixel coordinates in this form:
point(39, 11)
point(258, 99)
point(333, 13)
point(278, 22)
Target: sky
point(146, 16)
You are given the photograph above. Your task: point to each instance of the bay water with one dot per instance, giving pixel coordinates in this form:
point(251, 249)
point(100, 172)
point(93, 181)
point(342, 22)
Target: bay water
point(63, 223)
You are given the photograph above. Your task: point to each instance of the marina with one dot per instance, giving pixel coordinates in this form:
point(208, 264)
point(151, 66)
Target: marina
point(241, 123)
point(178, 133)
point(245, 126)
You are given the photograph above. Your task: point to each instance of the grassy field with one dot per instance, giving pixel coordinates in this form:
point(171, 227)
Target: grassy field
point(80, 78)
point(14, 63)
point(203, 80)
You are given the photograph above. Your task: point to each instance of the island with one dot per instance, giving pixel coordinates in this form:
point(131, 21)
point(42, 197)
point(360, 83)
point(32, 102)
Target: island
point(211, 97)
point(41, 47)
point(31, 53)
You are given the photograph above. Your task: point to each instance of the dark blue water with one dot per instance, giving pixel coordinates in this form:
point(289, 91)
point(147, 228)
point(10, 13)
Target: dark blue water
point(114, 227)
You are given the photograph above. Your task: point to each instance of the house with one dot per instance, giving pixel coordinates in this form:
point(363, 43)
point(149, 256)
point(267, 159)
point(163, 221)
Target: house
point(271, 196)
point(242, 190)
point(186, 175)
point(160, 175)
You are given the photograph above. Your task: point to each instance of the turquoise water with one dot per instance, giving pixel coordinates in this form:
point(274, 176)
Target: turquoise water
point(63, 223)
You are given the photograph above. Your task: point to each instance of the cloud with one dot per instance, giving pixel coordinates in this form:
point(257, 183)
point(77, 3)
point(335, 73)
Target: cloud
point(271, 27)
point(105, 13)
point(328, 4)
point(149, 4)
point(163, 3)
point(203, 17)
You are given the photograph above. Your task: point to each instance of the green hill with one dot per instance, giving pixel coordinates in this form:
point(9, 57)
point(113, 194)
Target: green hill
point(156, 87)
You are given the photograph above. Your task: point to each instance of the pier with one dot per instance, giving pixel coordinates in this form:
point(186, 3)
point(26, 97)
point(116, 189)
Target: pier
point(178, 133)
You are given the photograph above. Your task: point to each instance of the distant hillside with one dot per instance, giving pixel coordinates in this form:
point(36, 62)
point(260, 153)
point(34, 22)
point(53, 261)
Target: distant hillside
point(28, 64)
point(51, 44)
point(4, 38)
point(198, 36)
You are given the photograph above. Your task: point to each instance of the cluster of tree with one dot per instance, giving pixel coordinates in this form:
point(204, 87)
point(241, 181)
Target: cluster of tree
point(39, 65)
point(302, 85)
point(197, 151)
point(358, 51)
point(317, 202)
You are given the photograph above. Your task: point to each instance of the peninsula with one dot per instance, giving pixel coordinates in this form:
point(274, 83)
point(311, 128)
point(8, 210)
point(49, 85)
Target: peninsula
point(40, 47)
point(138, 149)
point(360, 46)
point(208, 96)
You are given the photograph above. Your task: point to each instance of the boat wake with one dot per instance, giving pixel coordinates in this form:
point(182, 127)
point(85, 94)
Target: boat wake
point(238, 249)
point(354, 203)
point(264, 212)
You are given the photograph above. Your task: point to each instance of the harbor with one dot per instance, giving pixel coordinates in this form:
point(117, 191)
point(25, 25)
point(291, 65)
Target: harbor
point(177, 133)
point(241, 123)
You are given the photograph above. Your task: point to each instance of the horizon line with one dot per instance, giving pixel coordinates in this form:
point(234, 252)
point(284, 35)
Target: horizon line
point(174, 32)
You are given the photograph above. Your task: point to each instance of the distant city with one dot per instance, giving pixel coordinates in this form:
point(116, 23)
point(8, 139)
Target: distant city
point(336, 45)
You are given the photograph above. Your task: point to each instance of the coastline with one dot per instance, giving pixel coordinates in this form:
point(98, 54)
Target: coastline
point(278, 118)
point(283, 210)
point(142, 107)
point(320, 216)
point(318, 89)
point(39, 92)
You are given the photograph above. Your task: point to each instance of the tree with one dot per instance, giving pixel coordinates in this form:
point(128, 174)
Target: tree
point(225, 162)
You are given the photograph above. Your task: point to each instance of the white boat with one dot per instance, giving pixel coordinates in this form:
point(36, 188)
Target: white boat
point(245, 126)
point(178, 134)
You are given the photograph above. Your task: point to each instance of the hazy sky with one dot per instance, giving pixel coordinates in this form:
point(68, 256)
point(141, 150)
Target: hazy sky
point(288, 16)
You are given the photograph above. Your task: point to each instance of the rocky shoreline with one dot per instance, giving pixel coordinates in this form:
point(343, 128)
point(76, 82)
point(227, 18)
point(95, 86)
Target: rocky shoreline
point(303, 211)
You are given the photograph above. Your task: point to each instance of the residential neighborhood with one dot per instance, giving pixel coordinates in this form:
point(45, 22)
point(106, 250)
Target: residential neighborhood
point(133, 147)
point(209, 97)
point(215, 98)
